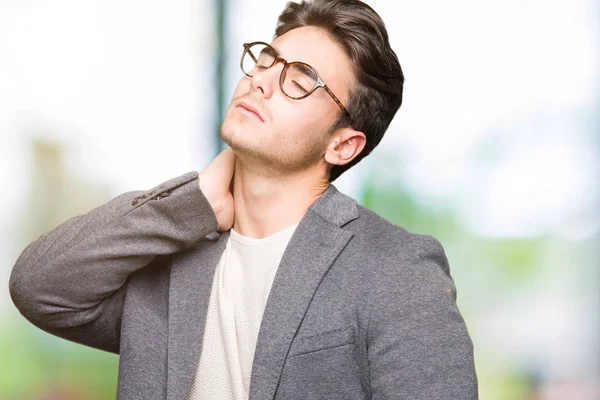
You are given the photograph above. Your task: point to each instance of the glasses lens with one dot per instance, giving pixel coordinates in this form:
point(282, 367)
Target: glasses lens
point(258, 56)
point(299, 79)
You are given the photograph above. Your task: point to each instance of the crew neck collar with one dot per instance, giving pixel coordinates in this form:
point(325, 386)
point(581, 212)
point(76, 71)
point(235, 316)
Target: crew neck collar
point(248, 241)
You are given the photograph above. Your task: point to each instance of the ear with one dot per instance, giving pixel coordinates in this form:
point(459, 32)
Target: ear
point(344, 145)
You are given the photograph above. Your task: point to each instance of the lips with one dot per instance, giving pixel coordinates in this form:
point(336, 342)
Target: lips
point(250, 108)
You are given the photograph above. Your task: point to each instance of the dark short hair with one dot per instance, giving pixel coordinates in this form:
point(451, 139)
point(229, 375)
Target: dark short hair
point(361, 33)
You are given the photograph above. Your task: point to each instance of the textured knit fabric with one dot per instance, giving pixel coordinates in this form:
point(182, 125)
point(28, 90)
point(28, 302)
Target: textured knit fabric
point(240, 289)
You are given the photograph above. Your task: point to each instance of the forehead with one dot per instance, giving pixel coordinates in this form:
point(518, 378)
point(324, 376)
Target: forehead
point(315, 47)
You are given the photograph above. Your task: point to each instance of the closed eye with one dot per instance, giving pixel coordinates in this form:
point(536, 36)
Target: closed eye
point(299, 86)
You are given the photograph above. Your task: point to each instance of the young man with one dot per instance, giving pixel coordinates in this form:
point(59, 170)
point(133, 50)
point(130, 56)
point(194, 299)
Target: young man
point(257, 278)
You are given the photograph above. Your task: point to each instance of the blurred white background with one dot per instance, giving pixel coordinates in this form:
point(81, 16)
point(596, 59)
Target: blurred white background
point(499, 132)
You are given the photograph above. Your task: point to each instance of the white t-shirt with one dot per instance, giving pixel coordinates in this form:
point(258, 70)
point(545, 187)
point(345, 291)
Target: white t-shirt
point(240, 289)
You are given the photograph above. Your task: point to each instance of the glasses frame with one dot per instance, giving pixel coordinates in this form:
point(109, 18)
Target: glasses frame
point(286, 65)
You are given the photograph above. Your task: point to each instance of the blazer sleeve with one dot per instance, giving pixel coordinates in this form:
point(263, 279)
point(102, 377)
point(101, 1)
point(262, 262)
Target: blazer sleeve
point(71, 281)
point(417, 341)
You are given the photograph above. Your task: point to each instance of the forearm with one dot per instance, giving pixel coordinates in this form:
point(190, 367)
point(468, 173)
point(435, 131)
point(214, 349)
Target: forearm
point(62, 279)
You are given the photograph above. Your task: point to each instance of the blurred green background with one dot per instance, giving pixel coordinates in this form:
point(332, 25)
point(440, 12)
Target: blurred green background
point(495, 152)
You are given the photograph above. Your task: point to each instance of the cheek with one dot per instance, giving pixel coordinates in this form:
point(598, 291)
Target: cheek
point(313, 117)
point(301, 113)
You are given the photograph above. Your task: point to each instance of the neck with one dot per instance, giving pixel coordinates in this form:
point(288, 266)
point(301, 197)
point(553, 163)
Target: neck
point(264, 205)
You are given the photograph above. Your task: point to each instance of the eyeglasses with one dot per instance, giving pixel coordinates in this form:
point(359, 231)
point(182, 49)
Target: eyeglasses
point(297, 80)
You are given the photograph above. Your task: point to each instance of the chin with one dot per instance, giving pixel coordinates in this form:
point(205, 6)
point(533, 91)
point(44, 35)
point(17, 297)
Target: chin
point(231, 129)
point(232, 133)
point(238, 139)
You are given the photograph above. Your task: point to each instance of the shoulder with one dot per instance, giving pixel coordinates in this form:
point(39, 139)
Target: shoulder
point(385, 255)
point(405, 272)
point(394, 241)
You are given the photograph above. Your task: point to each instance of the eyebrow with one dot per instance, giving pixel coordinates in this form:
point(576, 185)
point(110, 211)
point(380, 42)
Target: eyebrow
point(268, 51)
point(276, 49)
point(302, 65)
point(304, 68)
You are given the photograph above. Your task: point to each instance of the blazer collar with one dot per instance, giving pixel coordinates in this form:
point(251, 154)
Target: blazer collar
point(315, 244)
point(335, 207)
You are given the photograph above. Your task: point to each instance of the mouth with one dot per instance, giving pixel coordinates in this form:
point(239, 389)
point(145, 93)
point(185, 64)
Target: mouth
point(250, 109)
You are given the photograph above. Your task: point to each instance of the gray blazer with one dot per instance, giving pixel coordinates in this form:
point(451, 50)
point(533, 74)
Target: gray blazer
point(360, 308)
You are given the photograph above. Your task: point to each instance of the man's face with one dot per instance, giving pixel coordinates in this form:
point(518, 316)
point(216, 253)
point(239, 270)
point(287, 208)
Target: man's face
point(289, 135)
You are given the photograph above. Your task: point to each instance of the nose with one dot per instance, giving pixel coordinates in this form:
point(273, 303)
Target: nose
point(267, 80)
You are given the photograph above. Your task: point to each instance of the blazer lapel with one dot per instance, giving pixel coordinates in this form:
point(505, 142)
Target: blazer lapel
point(315, 244)
point(189, 292)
